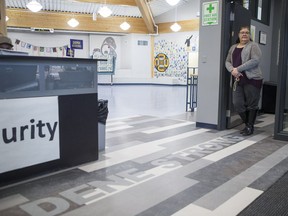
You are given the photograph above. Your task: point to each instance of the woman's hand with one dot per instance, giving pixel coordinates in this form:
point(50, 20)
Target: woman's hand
point(236, 73)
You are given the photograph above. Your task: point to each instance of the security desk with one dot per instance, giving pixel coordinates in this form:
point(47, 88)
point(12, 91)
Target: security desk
point(48, 115)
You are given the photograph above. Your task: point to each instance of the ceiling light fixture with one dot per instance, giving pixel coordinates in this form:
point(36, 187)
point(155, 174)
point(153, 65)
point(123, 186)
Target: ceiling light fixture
point(125, 26)
point(34, 6)
point(105, 11)
point(172, 2)
point(175, 27)
point(73, 22)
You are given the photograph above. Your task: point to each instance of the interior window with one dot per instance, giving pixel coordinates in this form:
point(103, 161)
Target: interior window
point(259, 9)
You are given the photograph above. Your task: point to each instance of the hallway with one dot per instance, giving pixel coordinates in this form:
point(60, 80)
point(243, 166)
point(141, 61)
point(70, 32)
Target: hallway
point(157, 162)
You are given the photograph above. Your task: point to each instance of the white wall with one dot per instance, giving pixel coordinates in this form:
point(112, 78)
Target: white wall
point(134, 62)
point(141, 56)
point(126, 44)
point(48, 40)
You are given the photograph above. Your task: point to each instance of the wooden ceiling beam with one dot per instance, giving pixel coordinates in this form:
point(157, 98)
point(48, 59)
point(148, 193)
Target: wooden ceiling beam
point(24, 19)
point(112, 2)
point(147, 16)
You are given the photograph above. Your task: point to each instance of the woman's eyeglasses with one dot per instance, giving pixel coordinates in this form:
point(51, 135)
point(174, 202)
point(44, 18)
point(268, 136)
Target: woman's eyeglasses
point(244, 33)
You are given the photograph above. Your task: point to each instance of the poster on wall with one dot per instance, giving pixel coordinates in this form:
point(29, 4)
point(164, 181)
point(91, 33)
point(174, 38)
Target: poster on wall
point(76, 44)
point(70, 52)
point(29, 132)
point(210, 13)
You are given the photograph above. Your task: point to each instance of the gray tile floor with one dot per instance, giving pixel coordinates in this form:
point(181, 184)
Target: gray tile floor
point(156, 162)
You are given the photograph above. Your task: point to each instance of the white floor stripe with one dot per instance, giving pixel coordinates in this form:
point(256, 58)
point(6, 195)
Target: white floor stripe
point(237, 203)
point(12, 201)
point(231, 207)
point(122, 118)
point(235, 148)
point(111, 124)
point(168, 127)
point(133, 152)
point(269, 119)
point(118, 128)
point(126, 132)
point(221, 194)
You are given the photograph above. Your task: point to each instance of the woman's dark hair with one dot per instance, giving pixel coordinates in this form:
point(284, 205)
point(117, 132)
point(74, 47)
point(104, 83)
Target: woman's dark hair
point(246, 27)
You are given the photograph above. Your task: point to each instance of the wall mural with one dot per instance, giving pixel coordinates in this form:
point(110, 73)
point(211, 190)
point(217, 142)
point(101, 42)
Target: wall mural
point(106, 51)
point(171, 55)
point(176, 55)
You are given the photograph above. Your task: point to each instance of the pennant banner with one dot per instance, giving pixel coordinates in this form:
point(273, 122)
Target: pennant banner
point(33, 50)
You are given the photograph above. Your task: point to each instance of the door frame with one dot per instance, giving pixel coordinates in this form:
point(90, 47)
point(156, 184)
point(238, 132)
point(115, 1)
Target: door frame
point(227, 116)
point(282, 75)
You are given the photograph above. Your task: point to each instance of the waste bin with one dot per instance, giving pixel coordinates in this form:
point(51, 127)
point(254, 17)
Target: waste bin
point(102, 117)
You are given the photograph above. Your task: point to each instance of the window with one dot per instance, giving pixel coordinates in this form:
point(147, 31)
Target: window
point(246, 4)
point(142, 43)
point(260, 9)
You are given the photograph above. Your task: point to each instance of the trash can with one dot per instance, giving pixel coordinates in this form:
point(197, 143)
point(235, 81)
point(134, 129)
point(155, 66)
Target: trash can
point(102, 117)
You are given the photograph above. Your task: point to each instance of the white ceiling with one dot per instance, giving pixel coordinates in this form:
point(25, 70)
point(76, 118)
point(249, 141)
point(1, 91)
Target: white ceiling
point(157, 7)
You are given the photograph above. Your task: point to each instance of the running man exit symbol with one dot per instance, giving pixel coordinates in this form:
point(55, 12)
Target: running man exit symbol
point(210, 14)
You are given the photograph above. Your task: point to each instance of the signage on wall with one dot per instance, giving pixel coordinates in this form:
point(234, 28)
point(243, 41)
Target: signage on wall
point(76, 44)
point(70, 52)
point(29, 132)
point(210, 13)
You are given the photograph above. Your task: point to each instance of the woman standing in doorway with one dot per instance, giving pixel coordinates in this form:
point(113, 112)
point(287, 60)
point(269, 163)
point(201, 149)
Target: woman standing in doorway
point(243, 61)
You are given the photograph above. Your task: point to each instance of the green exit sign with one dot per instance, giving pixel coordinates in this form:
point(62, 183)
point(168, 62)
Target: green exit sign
point(210, 13)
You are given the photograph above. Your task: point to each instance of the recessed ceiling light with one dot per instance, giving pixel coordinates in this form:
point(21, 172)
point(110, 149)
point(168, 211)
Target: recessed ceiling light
point(175, 27)
point(105, 11)
point(73, 22)
point(172, 2)
point(125, 26)
point(34, 6)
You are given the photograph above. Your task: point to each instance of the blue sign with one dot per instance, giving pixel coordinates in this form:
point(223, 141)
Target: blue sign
point(76, 44)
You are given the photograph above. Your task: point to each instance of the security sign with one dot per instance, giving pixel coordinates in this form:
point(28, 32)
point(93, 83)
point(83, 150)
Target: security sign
point(161, 62)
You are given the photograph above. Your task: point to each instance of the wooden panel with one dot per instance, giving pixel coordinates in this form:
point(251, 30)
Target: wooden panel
point(114, 2)
point(3, 28)
point(58, 21)
point(186, 25)
point(152, 55)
